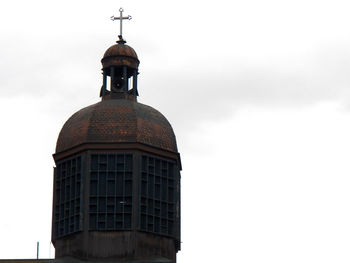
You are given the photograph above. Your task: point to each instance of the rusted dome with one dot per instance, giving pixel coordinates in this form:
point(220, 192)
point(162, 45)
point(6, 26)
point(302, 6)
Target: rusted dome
point(120, 55)
point(117, 121)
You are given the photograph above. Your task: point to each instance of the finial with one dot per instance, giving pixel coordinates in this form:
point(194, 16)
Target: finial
point(121, 18)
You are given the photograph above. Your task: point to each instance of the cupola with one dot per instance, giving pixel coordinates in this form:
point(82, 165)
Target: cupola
point(117, 176)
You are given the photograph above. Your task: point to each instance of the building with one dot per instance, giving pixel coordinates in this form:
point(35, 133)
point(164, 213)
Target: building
point(117, 175)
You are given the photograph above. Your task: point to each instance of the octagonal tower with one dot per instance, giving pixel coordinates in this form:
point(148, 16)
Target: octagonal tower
point(117, 175)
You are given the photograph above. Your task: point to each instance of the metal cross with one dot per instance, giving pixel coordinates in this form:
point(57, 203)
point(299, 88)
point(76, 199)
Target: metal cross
point(121, 18)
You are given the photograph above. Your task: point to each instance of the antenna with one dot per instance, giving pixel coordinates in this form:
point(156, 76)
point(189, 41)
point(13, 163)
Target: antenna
point(37, 250)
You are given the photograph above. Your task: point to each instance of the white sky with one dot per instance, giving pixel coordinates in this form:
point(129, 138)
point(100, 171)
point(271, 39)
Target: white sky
point(257, 93)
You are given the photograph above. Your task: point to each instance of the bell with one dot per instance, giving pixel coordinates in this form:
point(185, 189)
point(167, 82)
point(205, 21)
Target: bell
point(118, 84)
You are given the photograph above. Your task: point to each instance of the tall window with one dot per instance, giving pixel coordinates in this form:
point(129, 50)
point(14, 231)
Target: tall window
point(110, 201)
point(158, 196)
point(67, 197)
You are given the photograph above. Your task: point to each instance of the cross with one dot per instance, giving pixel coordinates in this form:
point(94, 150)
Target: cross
point(121, 18)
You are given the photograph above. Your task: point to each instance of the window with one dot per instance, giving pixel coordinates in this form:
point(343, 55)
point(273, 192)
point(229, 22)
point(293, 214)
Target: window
point(158, 196)
point(67, 197)
point(110, 201)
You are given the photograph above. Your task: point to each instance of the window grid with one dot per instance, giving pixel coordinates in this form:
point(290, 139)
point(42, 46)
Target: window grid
point(157, 196)
point(110, 201)
point(67, 185)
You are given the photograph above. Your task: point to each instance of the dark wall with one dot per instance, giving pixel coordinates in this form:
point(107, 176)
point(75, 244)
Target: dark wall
point(127, 206)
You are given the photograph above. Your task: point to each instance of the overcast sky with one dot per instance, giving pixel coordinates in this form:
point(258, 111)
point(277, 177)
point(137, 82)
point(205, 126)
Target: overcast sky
point(256, 91)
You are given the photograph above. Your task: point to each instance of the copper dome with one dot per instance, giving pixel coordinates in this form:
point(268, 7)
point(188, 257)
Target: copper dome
point(120, 55)
point(117, 121)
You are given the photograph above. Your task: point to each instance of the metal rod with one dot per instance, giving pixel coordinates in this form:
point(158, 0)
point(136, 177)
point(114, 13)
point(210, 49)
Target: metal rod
point(134, 83)
point(112, 78)
point(104, 83)
point(37, 250)
point(121, 20)
point(125, 78)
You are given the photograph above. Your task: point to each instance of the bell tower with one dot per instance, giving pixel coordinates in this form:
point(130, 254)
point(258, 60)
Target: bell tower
point(117, 174)
point(120, 63)
point(120, 69)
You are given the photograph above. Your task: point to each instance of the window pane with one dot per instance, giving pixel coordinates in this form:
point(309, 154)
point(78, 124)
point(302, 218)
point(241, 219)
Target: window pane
point(112, 184)
point(67, 209)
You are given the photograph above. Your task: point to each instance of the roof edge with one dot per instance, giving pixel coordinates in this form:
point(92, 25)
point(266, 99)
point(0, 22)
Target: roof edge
point(118, 146)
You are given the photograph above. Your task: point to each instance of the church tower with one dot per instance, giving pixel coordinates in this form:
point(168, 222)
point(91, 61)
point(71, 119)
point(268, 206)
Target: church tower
point(117, 175)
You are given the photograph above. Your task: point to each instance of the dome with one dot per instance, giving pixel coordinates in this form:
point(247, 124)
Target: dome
point(117, 121)
point(120, 55)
